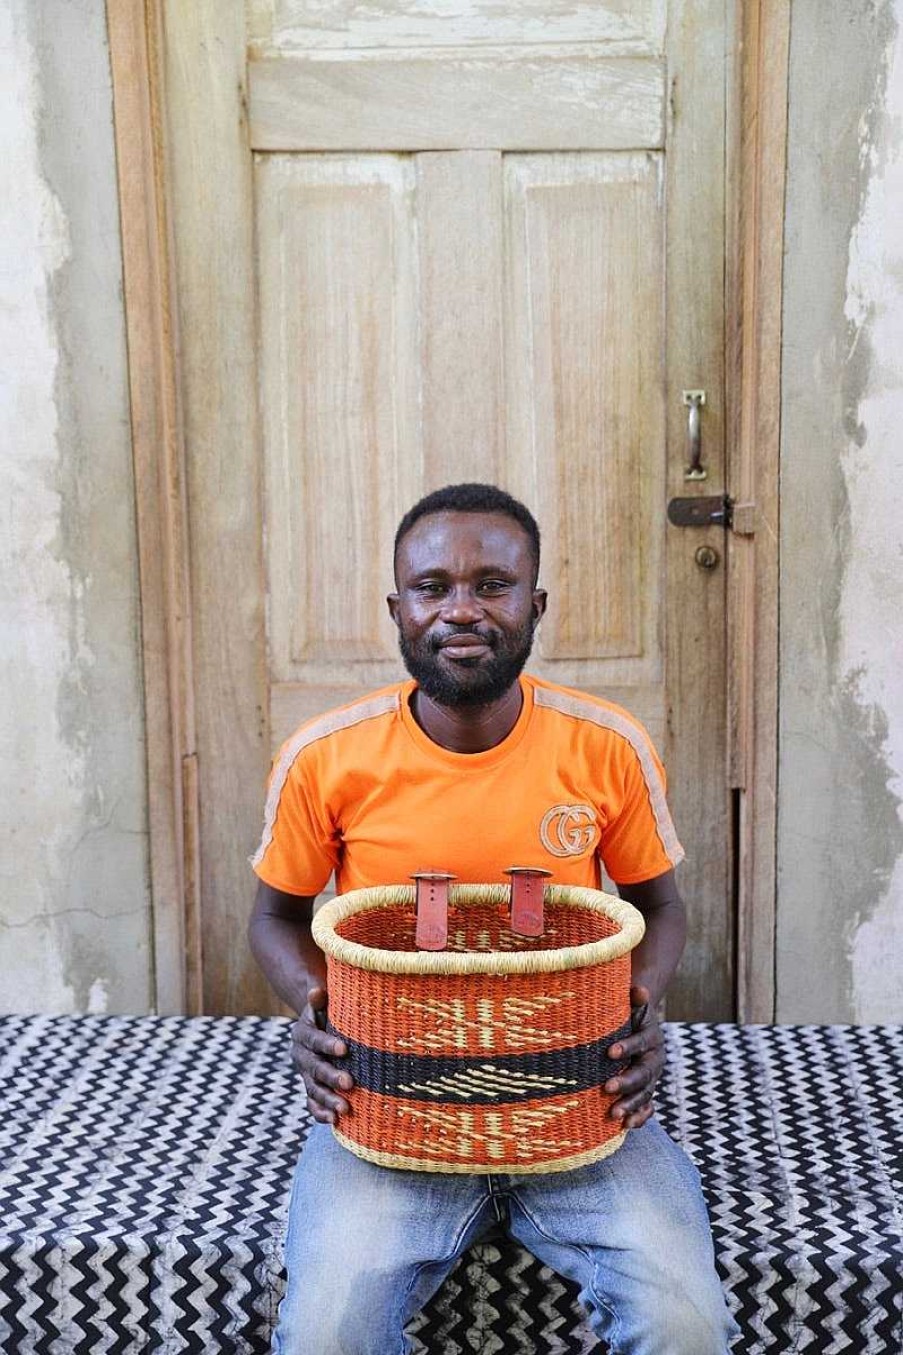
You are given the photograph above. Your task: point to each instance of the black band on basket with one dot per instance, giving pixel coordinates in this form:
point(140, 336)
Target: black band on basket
point(475, 1078)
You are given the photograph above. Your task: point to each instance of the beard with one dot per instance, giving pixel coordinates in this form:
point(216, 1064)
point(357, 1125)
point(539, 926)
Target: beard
point(467, 682)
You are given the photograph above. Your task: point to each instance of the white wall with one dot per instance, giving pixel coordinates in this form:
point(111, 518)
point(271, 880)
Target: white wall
point(74, 910)
point(840, 847)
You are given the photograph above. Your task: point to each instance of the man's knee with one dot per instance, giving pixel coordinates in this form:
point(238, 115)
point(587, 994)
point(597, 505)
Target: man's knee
point(680, 1327)
point(670, 1325)
point(306, 1326)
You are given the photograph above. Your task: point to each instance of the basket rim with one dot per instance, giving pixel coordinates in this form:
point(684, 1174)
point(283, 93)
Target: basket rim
point(332, 914)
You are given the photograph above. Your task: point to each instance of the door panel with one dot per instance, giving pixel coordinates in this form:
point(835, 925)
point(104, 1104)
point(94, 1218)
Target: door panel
point(626, 26)
point(585, 283)
point(506, 101)
point(340, 386)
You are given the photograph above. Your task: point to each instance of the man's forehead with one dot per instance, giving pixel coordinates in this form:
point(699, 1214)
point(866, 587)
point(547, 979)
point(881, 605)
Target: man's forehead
point(439, 539)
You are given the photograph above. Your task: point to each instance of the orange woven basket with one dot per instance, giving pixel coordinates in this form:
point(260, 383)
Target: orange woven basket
point(489, 1055)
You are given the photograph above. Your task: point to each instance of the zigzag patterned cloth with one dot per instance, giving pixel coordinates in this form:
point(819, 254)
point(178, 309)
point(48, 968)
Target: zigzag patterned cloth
point(145, 1166)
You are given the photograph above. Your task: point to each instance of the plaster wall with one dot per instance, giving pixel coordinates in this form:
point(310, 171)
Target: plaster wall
point(840, 829)
point(75, 905)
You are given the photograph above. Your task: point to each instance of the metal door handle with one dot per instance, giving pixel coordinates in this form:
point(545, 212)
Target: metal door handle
point(695, 470)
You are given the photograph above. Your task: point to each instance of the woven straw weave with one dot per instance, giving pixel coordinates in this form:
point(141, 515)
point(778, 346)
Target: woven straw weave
point(492, 1054)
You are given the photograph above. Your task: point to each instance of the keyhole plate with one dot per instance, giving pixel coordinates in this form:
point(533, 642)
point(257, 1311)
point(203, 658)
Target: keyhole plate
point(707, 557)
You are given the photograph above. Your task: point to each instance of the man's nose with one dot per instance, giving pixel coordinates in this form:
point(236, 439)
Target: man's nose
point(462, 606)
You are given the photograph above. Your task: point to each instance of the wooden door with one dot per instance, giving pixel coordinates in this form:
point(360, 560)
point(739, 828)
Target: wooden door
point(422, 243)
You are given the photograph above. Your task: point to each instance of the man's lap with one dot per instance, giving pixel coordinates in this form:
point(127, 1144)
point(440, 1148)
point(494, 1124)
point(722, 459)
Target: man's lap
point(368, 1245)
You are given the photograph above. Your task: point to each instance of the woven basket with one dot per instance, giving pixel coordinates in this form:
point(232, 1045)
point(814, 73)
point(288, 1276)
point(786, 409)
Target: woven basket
point(491, 1054)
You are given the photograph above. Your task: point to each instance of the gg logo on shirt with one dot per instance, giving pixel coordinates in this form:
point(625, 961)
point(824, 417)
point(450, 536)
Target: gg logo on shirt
point(567, 830)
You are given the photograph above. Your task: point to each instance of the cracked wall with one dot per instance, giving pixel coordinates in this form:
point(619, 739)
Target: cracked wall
point(75, 907)
point(840, 829)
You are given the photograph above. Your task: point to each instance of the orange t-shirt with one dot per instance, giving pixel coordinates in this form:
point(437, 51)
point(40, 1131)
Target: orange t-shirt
point(364, 792)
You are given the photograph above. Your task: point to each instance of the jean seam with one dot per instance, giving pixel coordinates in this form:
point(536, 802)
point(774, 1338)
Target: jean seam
point(603, 1300)
point(424, 1265)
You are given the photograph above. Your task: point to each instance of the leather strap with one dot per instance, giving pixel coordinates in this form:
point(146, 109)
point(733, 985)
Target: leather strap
point(527, 886)
point(432, 909)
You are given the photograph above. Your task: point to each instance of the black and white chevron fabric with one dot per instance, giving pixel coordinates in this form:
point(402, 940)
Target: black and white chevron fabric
point(145, 1164)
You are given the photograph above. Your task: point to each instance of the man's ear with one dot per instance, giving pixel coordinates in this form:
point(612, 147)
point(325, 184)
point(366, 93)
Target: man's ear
point(540, 598)
point(393, 603)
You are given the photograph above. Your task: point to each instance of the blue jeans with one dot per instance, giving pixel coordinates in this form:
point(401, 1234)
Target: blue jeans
point(367, 1246)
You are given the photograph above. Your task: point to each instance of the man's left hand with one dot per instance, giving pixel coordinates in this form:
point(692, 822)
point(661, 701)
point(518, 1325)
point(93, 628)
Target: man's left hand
point(645, 1050)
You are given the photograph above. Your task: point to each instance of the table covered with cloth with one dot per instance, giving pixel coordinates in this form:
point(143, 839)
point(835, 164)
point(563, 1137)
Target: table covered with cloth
point(145, 1166)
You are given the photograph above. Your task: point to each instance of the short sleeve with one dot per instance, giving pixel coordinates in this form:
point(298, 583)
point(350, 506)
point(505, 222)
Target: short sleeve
point(639, 841)
point(299, 848)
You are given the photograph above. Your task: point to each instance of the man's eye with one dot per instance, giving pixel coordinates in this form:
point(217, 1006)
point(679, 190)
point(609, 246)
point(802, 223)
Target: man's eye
point(430, 589)
point(493, 586)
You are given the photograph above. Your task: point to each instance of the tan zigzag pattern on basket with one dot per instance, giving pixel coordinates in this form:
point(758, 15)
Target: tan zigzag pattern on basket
point(509, 1016)
point(487, 1081)
point(516, 1134)
point(504, 939)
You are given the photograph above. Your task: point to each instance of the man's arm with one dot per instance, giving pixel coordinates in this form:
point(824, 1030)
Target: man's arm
point(653, 963)
point(654, 960)
point(281, 942)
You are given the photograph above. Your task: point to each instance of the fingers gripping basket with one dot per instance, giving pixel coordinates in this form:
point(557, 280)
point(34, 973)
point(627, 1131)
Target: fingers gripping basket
point(489, 1055)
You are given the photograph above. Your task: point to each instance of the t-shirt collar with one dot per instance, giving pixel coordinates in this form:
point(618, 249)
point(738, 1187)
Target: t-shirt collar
point(465, 762)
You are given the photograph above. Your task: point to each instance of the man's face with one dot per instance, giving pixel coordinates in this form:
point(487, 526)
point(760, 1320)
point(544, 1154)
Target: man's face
point(466, 606)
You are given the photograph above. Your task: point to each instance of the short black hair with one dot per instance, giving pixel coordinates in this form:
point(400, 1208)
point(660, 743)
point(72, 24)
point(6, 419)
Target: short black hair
point(472, 498)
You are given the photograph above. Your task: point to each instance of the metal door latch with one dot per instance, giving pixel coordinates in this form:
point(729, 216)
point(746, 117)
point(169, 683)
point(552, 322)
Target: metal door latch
point(713, 510)
point(702, 510)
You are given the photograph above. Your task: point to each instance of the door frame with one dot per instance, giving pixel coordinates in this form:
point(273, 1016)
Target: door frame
point(149, 80)
point(757, 191)
point(135, 35)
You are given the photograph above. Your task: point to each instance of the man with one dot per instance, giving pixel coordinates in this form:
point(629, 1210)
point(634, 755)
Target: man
point(471, 767)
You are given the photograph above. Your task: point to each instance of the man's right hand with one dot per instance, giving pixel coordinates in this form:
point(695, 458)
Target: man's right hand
point(312, 1050)
point(282, 944)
